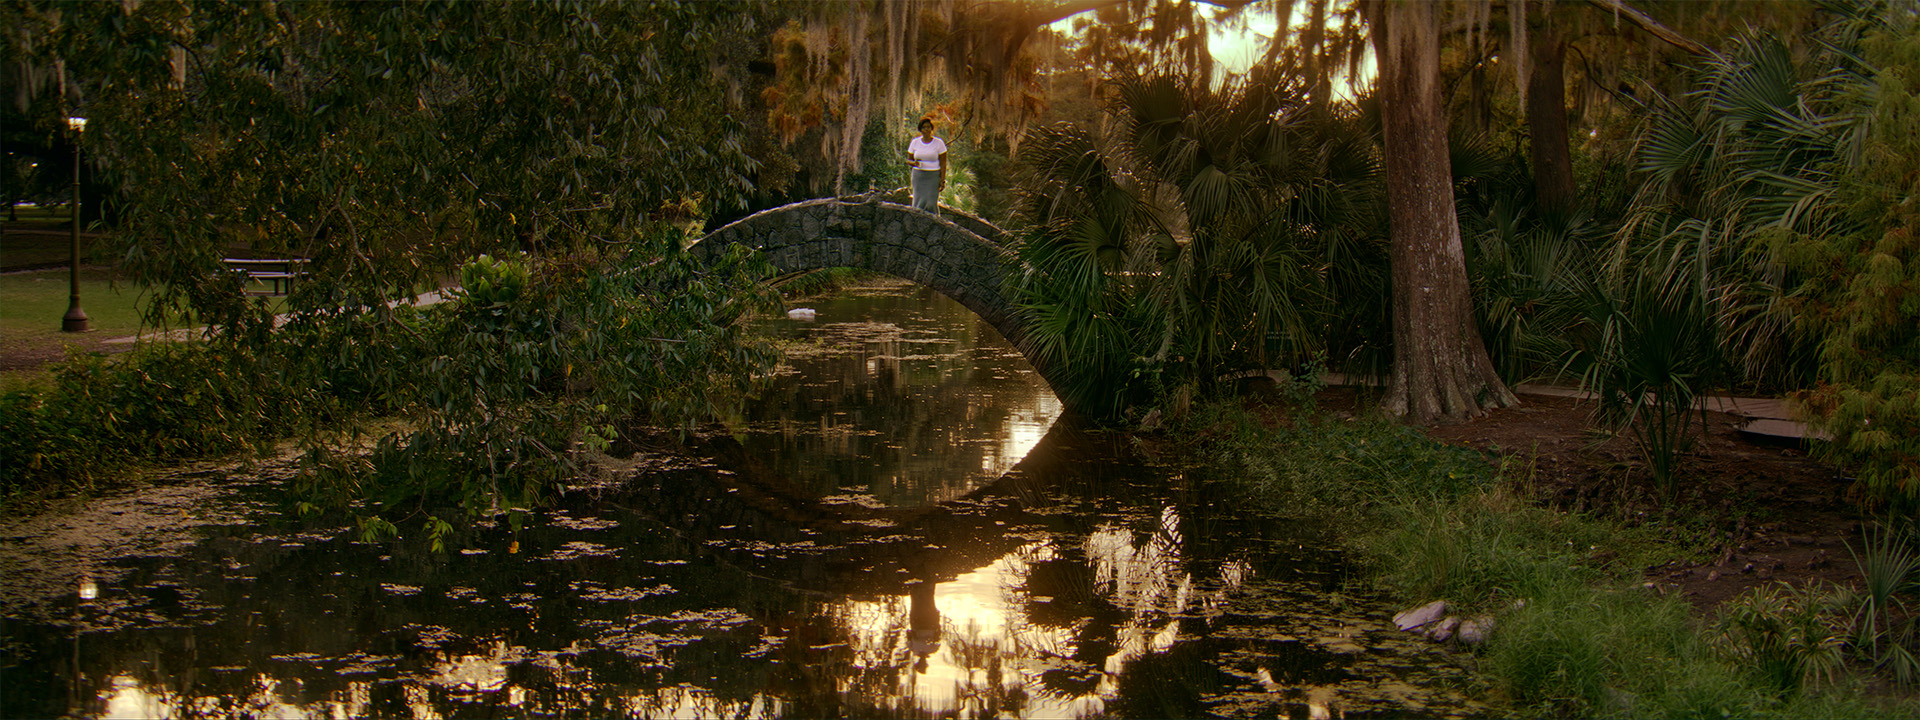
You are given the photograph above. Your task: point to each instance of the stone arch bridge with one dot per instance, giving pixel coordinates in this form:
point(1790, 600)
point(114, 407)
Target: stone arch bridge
point(956, 254)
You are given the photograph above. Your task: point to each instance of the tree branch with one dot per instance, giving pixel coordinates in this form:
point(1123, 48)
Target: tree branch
point(1048, 16)
point(1646, 22)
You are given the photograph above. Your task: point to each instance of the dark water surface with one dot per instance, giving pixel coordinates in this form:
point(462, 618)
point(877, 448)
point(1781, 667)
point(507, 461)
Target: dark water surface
point(903, 529)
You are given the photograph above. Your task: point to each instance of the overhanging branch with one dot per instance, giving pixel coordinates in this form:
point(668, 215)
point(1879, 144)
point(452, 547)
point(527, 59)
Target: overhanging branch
point(1647, 23)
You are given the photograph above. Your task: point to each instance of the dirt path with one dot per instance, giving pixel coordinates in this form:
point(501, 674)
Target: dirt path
point(33, 353)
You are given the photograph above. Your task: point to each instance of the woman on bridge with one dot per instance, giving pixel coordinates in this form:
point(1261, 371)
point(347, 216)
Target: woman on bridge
point(927, 155)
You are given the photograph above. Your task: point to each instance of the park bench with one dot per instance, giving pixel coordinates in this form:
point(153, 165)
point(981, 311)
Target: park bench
point(279, 272)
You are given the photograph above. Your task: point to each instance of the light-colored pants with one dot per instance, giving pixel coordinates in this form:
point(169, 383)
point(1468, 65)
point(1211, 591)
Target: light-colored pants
point(926, 190)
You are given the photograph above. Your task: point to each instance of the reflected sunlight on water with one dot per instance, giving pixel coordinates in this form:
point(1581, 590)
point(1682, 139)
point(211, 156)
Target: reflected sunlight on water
point(971, 645)
point(902, 530)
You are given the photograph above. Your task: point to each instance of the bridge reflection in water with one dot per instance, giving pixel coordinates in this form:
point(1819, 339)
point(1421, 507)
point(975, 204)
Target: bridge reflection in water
point(912, 570)
point(896, 396)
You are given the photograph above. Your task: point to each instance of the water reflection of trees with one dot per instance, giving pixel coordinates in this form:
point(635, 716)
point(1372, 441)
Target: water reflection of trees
point(1050, 629)
point(576, 622)
point(907, 409)
point(684, 593)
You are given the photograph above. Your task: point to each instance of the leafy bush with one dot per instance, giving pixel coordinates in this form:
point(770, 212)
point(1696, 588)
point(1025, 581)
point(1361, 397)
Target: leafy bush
point(1883, 628)
point(544, 360)
point(1786, 180)
point(1861, 288)
point(1208, 229)
point(1749, 151)
point(497, 393)
point(493, 284)
point(162, 401)
point(1790, 637)
point(1526, 288)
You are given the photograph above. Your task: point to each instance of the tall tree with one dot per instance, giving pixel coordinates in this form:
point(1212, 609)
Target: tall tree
point(1441, 369)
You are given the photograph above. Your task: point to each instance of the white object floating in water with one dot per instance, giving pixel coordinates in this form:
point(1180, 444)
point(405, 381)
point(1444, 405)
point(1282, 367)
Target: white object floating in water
point(803, 314)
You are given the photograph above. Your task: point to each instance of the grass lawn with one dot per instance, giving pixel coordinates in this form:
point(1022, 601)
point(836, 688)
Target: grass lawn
point(1578, 632)
point(31, 306)
point(32, 303)
point(41, 237)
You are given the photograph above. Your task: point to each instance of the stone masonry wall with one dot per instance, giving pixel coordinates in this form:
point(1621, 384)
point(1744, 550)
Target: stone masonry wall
point(889, 238)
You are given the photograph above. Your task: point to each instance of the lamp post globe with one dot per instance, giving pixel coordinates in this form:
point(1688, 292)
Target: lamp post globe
point(76, 319)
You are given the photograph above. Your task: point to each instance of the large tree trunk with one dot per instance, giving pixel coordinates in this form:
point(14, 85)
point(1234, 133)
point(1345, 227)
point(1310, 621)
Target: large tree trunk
point(1547, 122)
point(1440, 368)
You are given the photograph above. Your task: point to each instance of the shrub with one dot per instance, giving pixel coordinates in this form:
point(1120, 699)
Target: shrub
point(1788, 637)
point(161, 401)
point(1650, 351)
point(542, 360)
point(497, 392)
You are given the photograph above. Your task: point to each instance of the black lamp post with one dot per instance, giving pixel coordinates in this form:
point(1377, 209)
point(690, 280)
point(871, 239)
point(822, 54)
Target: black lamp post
point(75, 319)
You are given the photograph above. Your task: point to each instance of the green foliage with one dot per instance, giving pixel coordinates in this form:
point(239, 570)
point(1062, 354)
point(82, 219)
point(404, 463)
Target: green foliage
point(168, 401)
point(387, 142)
point(1527, 267)
point(1575, 633)
point(1862, 289)
point(1490, 547)
point(1790, 637)
point(1443, 523)
point(517, 381)
point(1213, 229)
point(1798, 638)
point(1752, 152)
point(822, 282)
point(159, 402)
point(493, 284)
point(496, 396)
point(1649, 352)
point(1782, 184)
point(1883, 628)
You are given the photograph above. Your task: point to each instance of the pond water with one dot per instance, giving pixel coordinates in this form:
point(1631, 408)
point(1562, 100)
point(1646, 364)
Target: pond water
point(904, 528)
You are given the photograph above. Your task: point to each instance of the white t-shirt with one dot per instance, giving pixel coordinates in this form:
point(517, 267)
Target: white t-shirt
point(926, 153)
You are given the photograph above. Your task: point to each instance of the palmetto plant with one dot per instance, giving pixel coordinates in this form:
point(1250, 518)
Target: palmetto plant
point(1527, 265)
point(1891, 568)
point(1752, 154)
point(1785, 181)
point(1080, 294)
point(1648, 349)
point(1792, 637)
point(1205, 230)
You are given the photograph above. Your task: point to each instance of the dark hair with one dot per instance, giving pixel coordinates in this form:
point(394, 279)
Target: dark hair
point(924, 122)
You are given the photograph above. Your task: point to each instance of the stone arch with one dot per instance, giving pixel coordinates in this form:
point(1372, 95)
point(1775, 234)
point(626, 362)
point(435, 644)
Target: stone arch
point(946, 252)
